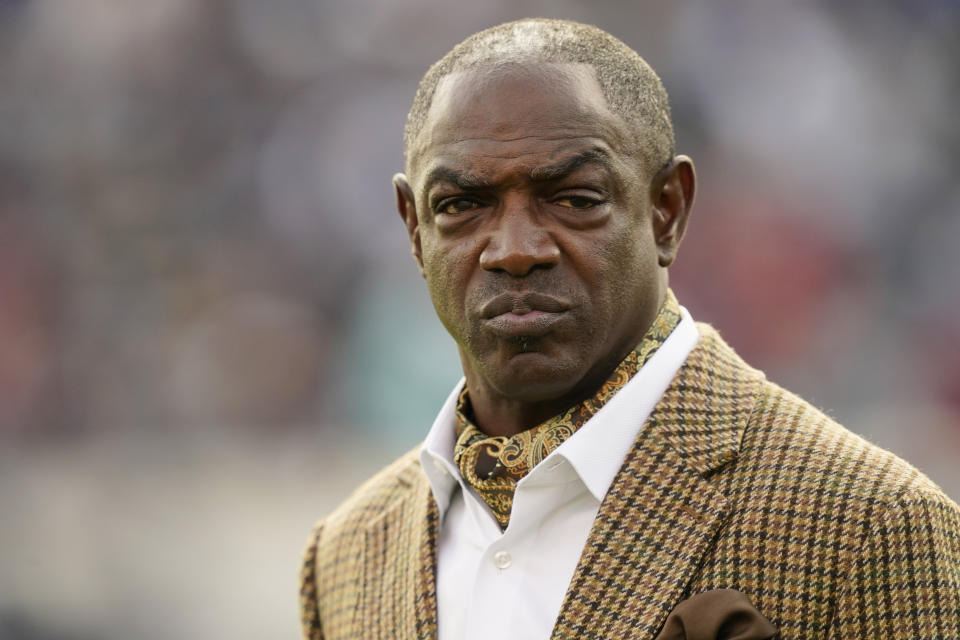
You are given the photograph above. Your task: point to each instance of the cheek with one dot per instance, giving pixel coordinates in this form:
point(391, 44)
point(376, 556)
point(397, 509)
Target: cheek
point(444, 271)
point(625, 268)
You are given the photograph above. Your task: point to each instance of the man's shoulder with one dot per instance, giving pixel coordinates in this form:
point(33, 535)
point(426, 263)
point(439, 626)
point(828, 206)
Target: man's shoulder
point(789, 442)
point(790, 437)
point(812, 446)
point(377, 494)
point(332, 575)
point(819, 521)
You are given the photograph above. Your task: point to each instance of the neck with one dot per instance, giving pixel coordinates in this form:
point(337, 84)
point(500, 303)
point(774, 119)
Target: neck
point(498, 415)
point(509, 417)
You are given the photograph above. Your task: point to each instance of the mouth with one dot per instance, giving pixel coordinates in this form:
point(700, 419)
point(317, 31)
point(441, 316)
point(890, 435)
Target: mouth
point(514, 315)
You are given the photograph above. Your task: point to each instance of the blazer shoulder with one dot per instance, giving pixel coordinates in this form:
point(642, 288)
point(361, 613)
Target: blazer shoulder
point(375, 495)
point(823, 529)
point(331, 576)
point(817, 448)
point(777, 432)
point(721, 409)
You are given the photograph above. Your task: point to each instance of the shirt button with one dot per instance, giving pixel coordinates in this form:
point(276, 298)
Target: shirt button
point(502, 559)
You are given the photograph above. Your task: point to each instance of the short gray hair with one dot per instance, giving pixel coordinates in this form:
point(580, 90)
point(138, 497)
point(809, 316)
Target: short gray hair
point(631, 87)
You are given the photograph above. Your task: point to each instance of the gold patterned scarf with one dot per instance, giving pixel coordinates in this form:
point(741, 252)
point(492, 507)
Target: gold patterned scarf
point(493, 465)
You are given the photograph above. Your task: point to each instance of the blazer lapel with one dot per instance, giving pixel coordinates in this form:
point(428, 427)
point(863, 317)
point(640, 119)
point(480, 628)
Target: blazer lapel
point(661, 513)
point(399, 597)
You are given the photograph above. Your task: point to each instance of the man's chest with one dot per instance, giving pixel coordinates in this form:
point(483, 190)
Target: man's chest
point(492, 583)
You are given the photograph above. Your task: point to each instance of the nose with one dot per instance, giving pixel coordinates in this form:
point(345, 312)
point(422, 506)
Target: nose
point(519, 244)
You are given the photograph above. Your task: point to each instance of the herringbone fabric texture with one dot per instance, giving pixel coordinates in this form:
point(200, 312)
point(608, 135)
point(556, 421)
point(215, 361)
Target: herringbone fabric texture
point(733, 483)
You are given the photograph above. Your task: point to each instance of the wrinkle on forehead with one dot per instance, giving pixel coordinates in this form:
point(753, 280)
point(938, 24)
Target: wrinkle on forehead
point(496, 163)
point(479, 151)
point(548, 101)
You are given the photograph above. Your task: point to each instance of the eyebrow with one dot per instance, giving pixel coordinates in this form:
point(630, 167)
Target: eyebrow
point(471, 182)
point(460, 179)
point(568, 166)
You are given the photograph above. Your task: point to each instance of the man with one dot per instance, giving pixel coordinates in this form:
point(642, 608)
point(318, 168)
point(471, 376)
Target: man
point(608, 468)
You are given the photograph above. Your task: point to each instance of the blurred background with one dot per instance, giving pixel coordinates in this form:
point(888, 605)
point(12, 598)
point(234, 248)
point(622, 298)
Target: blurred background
point(211, 328)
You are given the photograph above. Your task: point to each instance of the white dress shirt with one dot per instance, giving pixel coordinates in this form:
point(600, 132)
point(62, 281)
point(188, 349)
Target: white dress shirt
point(511, 584)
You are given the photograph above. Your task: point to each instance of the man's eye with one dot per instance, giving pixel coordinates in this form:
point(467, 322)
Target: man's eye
point(456, 205)
point(576, 202)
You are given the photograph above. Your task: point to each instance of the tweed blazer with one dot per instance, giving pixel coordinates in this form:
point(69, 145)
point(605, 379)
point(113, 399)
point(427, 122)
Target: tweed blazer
point(733, 483)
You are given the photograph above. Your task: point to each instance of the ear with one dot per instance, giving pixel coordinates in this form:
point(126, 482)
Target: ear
point(407, 208)
point(672, 192)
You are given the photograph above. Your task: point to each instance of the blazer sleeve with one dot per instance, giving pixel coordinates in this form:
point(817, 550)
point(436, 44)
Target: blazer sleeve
point(905, 582)
point(309, 610)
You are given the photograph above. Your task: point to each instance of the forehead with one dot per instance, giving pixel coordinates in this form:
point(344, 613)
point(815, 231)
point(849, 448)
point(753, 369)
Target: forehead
point(507, 111)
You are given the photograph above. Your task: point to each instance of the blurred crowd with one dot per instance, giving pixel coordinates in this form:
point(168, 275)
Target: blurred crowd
point(210, 325)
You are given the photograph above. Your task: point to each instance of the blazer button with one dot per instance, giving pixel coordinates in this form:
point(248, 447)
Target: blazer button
point(502, 559)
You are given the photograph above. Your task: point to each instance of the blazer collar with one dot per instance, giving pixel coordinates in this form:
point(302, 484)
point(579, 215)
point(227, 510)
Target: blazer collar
point(703, 413)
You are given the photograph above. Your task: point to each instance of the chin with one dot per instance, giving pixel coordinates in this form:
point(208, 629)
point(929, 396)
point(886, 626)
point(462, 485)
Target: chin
point(532, 376)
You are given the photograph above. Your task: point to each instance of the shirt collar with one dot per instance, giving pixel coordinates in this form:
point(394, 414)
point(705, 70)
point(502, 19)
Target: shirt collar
point(436, 455)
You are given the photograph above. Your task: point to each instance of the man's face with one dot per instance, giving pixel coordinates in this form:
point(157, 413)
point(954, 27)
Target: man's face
point(533, 229)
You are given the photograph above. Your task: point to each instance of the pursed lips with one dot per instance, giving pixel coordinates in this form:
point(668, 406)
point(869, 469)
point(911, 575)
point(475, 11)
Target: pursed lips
point(516, 314)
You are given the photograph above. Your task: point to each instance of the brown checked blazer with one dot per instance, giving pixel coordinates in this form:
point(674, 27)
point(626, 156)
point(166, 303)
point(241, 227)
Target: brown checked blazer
point(734, 483)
